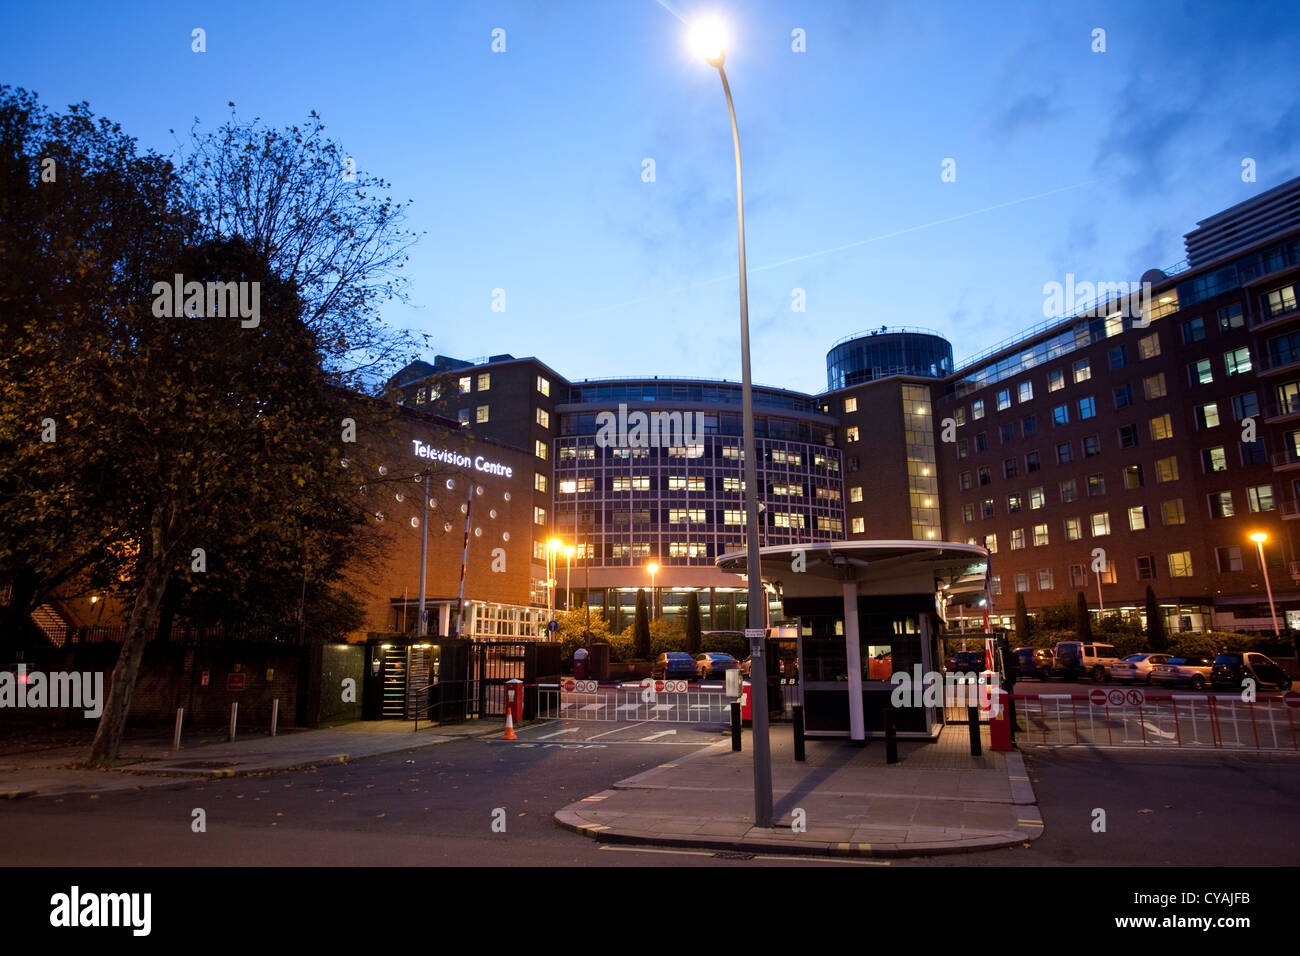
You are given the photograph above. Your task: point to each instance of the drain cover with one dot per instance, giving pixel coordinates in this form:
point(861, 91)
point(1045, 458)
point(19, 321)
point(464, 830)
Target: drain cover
point(733, 855)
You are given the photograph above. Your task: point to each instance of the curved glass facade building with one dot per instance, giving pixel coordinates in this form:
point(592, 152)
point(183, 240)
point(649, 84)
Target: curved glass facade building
point(872, 355)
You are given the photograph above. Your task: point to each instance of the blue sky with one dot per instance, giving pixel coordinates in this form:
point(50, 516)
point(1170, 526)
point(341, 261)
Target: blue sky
point(525, 167)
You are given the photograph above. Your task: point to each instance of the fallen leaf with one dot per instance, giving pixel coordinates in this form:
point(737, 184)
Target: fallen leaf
point(1146, 811)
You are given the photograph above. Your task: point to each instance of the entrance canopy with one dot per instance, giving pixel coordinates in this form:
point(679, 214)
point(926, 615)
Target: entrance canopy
point(875, 567)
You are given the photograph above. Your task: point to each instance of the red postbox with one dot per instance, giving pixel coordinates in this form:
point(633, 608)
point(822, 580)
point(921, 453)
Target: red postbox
point(515, 698)
point(1000, 722)
point(746, 704)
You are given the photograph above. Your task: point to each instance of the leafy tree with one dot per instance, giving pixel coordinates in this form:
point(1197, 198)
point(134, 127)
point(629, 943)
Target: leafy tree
point(1022, 619)
point(1156, 637)
point(1082, 621)
point(693, 631)
point(641, 628)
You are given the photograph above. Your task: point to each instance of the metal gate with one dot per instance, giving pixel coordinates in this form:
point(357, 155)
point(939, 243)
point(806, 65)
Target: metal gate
point(492, 664)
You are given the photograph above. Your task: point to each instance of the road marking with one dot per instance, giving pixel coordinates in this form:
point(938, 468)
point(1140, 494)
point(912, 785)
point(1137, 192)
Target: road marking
point(662, 733)
point(822, 860)
point(636, 849)
point(617, 729)
point(566, 730)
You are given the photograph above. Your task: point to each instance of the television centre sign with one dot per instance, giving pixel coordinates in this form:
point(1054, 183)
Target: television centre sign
point(447, 455)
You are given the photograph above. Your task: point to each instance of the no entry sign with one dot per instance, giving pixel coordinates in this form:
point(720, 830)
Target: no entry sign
point(1292, 698)
point(1098, 697)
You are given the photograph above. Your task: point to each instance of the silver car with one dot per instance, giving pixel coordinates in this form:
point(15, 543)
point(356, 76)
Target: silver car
point(1192, 671)
point(1136, 667)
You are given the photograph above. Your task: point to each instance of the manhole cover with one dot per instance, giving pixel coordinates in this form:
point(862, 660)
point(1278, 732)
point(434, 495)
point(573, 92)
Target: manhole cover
point(733, 855)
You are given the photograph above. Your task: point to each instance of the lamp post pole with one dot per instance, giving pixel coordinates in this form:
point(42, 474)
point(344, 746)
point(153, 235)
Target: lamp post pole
point(757, 607)
point(424, 558)
point(1259, 539)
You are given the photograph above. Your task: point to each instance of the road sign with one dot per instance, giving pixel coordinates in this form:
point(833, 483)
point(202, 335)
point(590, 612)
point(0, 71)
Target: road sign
point(1098, 697)
point(1137, 698)
point(1292, 698)
point(754, 633)
point(659, 687)
point(590, 686)
point(235, 681)
point(681, 687)
point(1116, 697)
point(552, 626)
point(569, 686)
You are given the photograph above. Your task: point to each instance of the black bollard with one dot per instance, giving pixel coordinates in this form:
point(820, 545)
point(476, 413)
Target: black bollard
point(891, 736)
point(973, 720)
point(735, 725)
point(797, 714)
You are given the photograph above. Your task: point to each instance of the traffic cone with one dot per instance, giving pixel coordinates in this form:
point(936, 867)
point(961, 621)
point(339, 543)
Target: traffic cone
point(510, 726)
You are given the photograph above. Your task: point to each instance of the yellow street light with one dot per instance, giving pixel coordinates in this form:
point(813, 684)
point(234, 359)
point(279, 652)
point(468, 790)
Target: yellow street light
point(652, 568)
point(1259, 537)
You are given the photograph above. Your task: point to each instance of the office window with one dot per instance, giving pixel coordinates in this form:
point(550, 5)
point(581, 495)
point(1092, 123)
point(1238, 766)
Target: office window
point(1137, 518)
point(1069, 490)
point(465, 384)
point(985, 475)
point(977, 410)
point(1073, 529)
point(1132, 476)
point(1013, 504)
point(851, 434)
point(855, 492)
point(1010, 468)
point(1167, 469)
point(1032, 462)
point(1228, 559)
point(1061, 414)
point(1056, 380)
point(1040, 536)
point(1108, 576)
point(544, 418)
point(995, 584)
point(1091, 446)
point(1193, 331)
point(1180, 564)
point(462, 415)
point(1253, 453)
point(1078, 576)
point(1004, 399)
point(1082, 371)
point(853, 463)
point(539, 515)
point(986, 508)
point(1221, 505)
point(1245, 406)
point(1154, 386)
point(686, 516)
point(481, 414)
point(1230, 318)
point(1128, 436)
point(1025, 391)
point(1087, 407)
point(1214, 459)
point(1146, 567)
point(1123, 396)
point(1096, 485)
point(981, 442)
point(484, 381)
point(1260, 498)
point(1045, 579)
point(1172, 513)
point(1008, 433)
point(1100, 524)
point(1237, 361)
point(544, 386)
point(961, 415)
point(539, 482)
point(1029, 425)
point(1036, 498)
point(736, 517)
point(1022, 582)
point(850, 405)
point(1064, 453)
point(858, 525)
point(964, 483)
point(1149, 346)
point(1162, 427)
point(1207, 416)
point(968, 513)
point(1017, 539)
point(539, 449)
point(1117, 357)
point(419, 397)
point(991, 543)
point(1200, 373)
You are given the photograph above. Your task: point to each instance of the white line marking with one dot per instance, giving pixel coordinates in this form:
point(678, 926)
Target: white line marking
point(566, 730)
point(662, 733)
point(617, 729)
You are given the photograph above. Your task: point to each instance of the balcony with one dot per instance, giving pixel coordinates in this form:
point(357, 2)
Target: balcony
point(1290, 510)
point(1286, 459)
point(1282, 410)
point(1266, 364)
point(1266, 320)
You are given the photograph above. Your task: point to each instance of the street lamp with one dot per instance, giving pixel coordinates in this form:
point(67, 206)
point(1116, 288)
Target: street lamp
point(652, 567)
point(568, 575)
point(1259, 537)
point(707, 41)
point(553, 545)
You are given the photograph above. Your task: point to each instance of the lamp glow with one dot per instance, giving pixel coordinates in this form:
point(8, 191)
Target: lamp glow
point(1259, 537)
point(706, 40)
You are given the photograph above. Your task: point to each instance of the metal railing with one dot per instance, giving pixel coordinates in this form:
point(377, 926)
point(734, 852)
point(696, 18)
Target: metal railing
point(1131, 717)
point(632, 703)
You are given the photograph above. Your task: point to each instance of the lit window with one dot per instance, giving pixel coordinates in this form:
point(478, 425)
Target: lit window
point(1172, 513)
point(1237, 361)
point(1017, 539)
point(1100, 524)
point(1073, 529)
point(544, 418)
point(1132, 477)
point(1161, 427)
point(977, 409)
point(484, 381)
point(1036, 498)
point(850, 405)
point(1180, 564)
point(1004, 399)
point(1214, 459)
point(1167, 469)
point(539, 481)
point(851, 434)
point(481, 414)
point(1149, 346)
point(1056, 380)
point(1221, 505)
point(1045, 579)
point(1026, 391)
point(539, 515)
point(1087, 407)
point(466, 384)
point(1154, 387)
point(1260, 497)
point(1022, 581)
point(991, 543)
point(859, 525)
point(1040, 536)
point(1082, 371)
point(1200, 372)
point(855, 493)
point(539, 449)
point(1137, 518)
point(544, 386)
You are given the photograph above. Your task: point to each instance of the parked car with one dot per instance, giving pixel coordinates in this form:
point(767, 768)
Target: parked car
point(712, 666)
point(673, 665)
point(1074, 659)
point(1136, 667)
point(971, 662)
point(784, 669)
point(1231, 669)
point(1034, 661)
point(1192, 671)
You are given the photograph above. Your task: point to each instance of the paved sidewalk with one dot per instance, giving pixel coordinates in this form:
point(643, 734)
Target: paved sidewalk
point(151, 762)
point(937, 799)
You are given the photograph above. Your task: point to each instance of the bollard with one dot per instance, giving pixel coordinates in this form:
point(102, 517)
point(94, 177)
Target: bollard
point(234, 716)
point(176, 737)
point(275, 715)
point(796, 713)
point(891, 736)
point(973, 721)
point(735, 725)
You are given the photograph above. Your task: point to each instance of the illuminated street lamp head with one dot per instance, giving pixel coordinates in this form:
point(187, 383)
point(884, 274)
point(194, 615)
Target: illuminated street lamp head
point(706, 40)
point(652, 567)
point(554, 544)
point(1259, 537)
point(569, 550)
